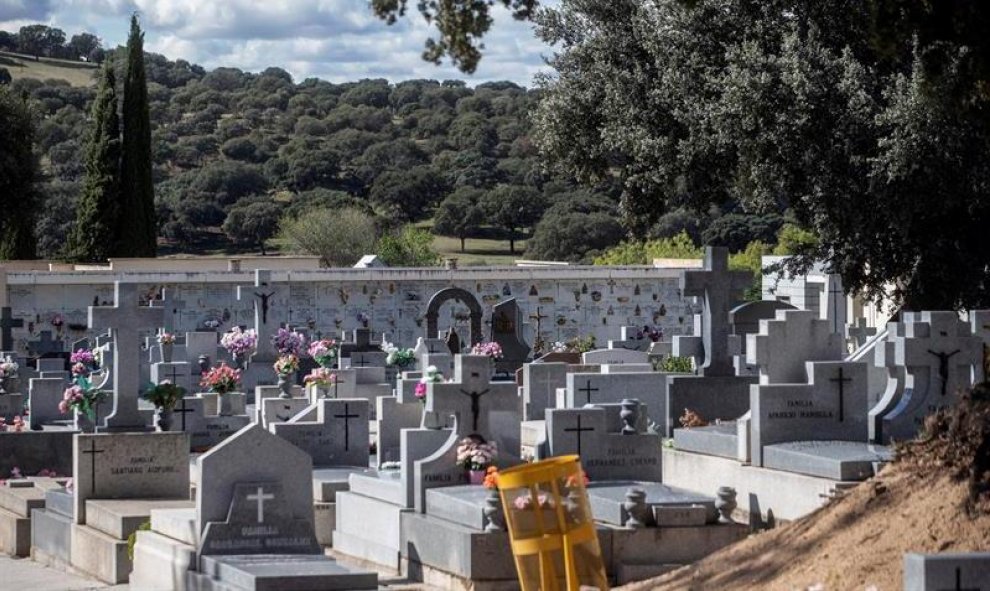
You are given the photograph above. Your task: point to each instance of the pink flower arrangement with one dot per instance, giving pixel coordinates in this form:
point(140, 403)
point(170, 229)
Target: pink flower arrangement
point(286, 365)
point(239, 342)
point(524, 502)
point(221, 379)
point(16, 425)
point(324, 351)
point(476, 454)
point(166, 338)
point(8, 367)
point(431, 376)
point(492, 349)
point(57, 321)
point(82, 397)
point(320, 376)
point(84, 356)
point(289, 342)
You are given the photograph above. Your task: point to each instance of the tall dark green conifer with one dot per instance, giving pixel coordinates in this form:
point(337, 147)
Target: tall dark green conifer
point(138, 231)
point(17, 175)
point(95, 235)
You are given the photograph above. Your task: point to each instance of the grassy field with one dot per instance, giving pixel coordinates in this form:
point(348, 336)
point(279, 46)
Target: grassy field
point(22, 66)
point(478, 252)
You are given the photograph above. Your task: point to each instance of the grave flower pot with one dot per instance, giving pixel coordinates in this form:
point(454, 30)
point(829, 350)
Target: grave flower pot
point(284, 386)
point(476, 476)
point(239, 360)
point(163, 419)
point(231, 403)
point(211, 402)
point(3, 386)
point(167, 352)
point(84, 424)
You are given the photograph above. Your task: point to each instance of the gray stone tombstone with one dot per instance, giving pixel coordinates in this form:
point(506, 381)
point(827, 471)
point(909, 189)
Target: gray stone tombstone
point(8, 322)
point(263, 293)
point(126, 319)
point(593, 388)
point(615, 357)
point(44, 395)
point(392, 417)
point(540, 383)
point(831, 406)
point(46, 345)
point(205, 430)
point(433, 352)
point(483, 407)
point(857, 334)
point(938, 353)
point(337, 437)
point(360, 342)
point(252, 455)
point(179, 373)
point(172, 304)
point(129, 466)
point(507, 325)
point(947, 572)
point(281, 410)
point(50, 364)
point(785, 343)
point(745, 318)
point(605, 454)
point(201, 343)
point(367, 360)
point(718, 289)
point(260, 521)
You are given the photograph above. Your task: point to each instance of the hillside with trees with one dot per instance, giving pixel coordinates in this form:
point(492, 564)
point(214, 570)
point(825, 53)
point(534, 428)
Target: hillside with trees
point(240, 159)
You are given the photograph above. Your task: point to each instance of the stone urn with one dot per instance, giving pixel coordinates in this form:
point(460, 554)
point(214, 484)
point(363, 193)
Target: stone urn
point(163, 419)
point(240, 359)
point(227, 404)
point(83, 422)
point(167, 352)
point(285, 386)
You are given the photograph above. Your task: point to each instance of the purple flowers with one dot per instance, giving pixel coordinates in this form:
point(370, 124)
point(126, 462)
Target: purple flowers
point(288, 342)
point(493, 350)
point(239, 342)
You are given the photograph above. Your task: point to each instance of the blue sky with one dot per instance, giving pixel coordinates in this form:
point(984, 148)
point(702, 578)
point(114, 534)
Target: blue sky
point(337, 40)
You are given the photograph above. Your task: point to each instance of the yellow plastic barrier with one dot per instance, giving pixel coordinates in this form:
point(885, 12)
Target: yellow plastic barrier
point(553, 537)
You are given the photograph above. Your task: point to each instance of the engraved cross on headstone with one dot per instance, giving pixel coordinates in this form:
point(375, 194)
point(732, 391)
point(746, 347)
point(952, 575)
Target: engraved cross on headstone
point(261, 497)
point(347, 416)
point(126, 319)
point(578, 430)
point(718, 288)
point(841, 380)
point(587, 390)
point(91, 452)
point(263, 293)
point(8, 322)
point(183, 411)
point(958, 586)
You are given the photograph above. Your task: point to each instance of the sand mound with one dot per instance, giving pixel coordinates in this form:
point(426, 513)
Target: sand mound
point(934, 498)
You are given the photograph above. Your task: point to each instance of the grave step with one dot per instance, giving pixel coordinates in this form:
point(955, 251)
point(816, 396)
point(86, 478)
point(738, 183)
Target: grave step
point(15, 534)
point(160, 563)
point(99, 555)
point(300, 572)
point(51, 537)
point(121, 518)
point(20, 500)
point(177, 524)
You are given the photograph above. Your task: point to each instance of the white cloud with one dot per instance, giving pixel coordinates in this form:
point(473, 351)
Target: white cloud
point(337, 40)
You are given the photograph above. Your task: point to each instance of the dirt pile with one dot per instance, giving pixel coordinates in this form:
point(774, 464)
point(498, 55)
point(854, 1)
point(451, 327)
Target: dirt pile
point(934, 498)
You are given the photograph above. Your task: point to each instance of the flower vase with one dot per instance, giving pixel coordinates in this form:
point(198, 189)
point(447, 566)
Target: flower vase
point(3, 386)
point(167, 352)
point(284, 386)
point(84, 423)
point(476, 476)
point(239, 360)
point(163, 419)
point(225, 404)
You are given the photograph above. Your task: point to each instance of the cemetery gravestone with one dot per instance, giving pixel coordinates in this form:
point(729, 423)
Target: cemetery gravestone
point(8, 322)
point(337, 437)
point(507, 332)
point(126, 320)
point(785, 343)
point(615, 357)
point(540, 383)
point(937, 352)
point(947, 572)
point(606, 454)
point(129, 466)
point(44, 395)
point(263, 294)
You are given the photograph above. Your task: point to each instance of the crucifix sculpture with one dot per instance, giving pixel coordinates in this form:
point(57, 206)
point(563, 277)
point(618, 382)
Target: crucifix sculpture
point(475, 405)
point(943, 366)
point(264, 297)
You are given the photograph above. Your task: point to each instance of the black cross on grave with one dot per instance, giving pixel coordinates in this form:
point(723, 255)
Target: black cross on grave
point(475, 405)
point(173, 374)
point(347, 416)
point(182, 410)
point(959, 586)
point(361, 362)
point(7, 322)
point(943, 366)
point(587, 390)
point(578, 431)
point(841, 380)
point(431, 349)
point(834, 301)
point(92, 465)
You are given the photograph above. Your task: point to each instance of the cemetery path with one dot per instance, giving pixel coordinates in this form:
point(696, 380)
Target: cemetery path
point(857, 542)
point(24, 573)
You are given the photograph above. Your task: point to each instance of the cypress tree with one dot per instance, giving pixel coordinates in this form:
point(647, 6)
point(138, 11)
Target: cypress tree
point(94, 237)
point(18, 167)
point(138, 231)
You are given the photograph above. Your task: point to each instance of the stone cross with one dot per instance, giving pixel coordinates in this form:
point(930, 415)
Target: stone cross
point(182, 410)
point(263, 292)
point(327, 429)
point(360, 343)
point(785, 343)
point(126, 319)
point(939, 355)
point(46, 344)
point(261, 497)
point(578, 430)
point(587, 390)
point(7, 322)
point(472, 396)
point(859, 333)
point(718, 289)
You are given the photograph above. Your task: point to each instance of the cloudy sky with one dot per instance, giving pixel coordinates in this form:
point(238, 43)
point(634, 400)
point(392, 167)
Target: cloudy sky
point(338, 40)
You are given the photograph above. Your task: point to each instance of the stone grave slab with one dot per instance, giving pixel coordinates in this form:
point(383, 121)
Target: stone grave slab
point(540, 383)
point(277, 572)
point(281, 410)
point(719, 440)
point(260, 521)
point(34, 451)
point(463, 505)
point(833, 406)
point(615, 357)
point(391, 417)
point(838, 460)
point(44, 395)
point(327, 482)
point(604, 455)
point(955, 571)
point(714, 398)
point(180, 373)
point(337, 436)
point(607, 498)
point(595, 388)
point(129, 466)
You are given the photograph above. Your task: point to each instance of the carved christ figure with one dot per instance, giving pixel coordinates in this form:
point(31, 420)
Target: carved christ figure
point(264, 297)
point(943, 366)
